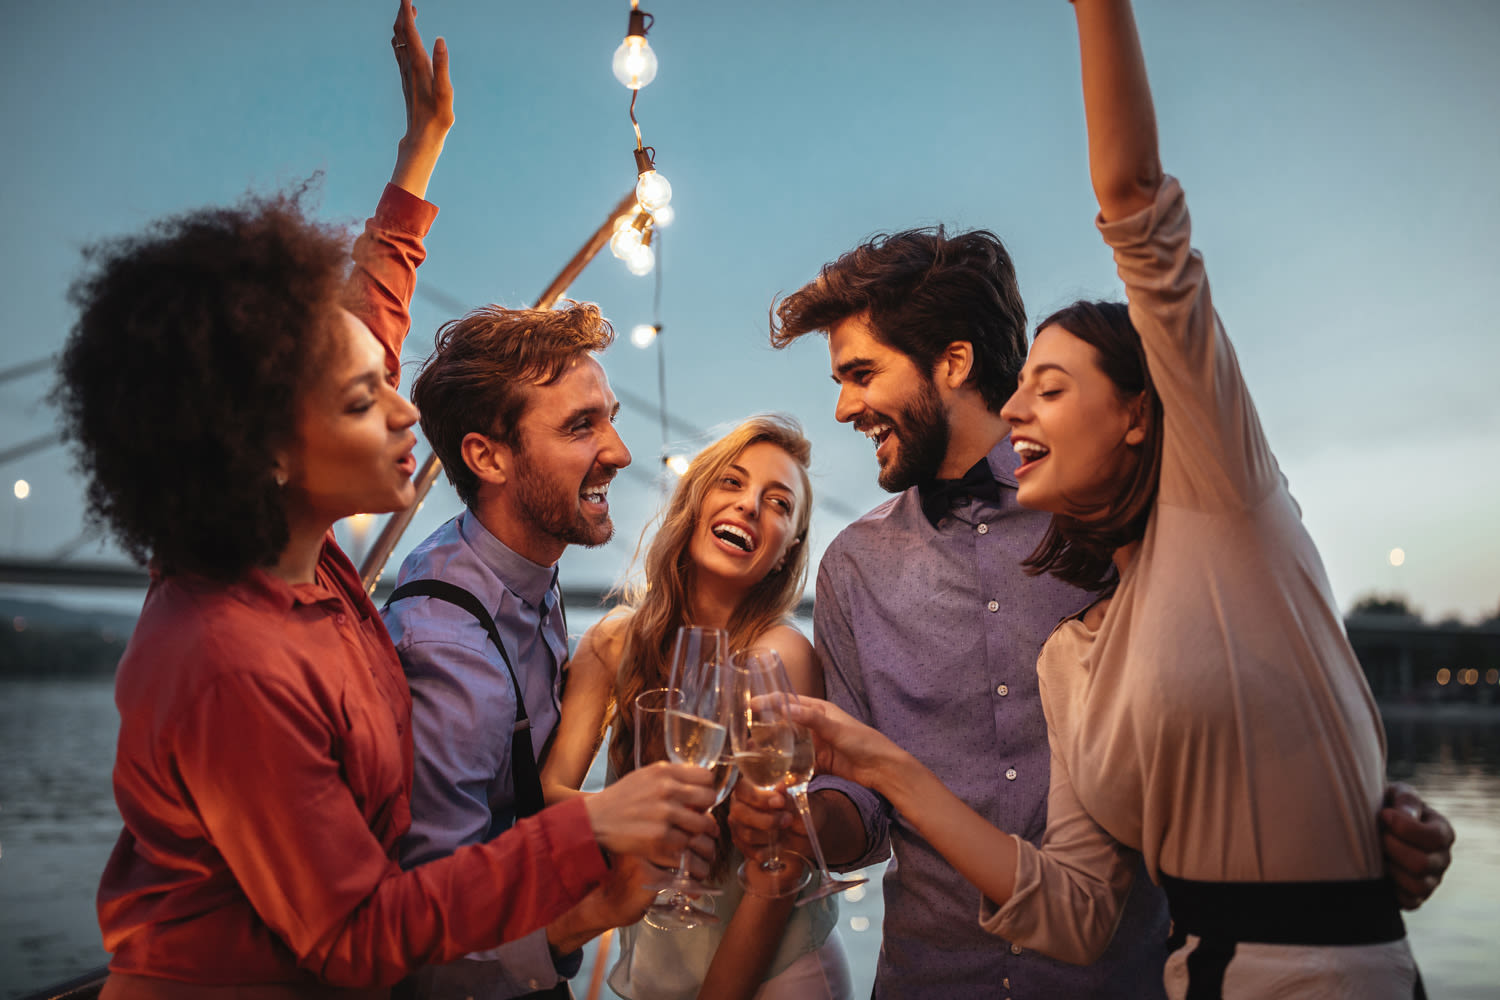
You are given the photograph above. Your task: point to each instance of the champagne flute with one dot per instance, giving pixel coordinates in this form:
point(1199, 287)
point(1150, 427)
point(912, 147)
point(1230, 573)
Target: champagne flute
point(764, 749)
point(650, 725)
point(699, 702)
point(766, 665)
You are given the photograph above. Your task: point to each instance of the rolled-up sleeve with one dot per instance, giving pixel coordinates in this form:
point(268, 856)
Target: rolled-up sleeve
point(1070, 891)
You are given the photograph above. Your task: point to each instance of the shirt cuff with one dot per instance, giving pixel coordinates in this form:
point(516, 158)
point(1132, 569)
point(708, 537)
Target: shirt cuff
point(873, 812)
point(400, 209)
point(1135, 230)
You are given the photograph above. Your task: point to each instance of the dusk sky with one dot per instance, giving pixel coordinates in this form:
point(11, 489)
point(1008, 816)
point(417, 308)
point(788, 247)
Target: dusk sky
point(1339, 160)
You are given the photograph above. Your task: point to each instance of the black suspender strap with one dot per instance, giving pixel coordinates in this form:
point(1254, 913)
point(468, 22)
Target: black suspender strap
point(527, 780)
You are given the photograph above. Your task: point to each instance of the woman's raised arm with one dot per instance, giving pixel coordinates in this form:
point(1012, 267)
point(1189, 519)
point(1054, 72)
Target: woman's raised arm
point(1124, 163)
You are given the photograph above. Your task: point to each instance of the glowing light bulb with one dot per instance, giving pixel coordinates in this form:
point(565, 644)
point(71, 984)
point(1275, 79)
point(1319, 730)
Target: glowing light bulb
point(678, 464)
point(621, 221)
point(642, 334)
point(625, 241)
point(22, 489)
point(641, 260)
point(663, 216)
point(634, 63)
point(652, 191)
point(1397, 557)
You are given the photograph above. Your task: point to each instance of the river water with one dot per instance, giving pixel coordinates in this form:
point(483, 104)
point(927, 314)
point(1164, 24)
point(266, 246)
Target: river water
point(58, 823)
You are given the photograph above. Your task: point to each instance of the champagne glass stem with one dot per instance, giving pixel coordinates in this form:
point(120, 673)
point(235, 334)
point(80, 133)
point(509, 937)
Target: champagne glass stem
point(800, 797)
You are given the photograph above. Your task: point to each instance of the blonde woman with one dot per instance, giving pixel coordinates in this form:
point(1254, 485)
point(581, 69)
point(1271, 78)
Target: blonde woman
point(730, 553)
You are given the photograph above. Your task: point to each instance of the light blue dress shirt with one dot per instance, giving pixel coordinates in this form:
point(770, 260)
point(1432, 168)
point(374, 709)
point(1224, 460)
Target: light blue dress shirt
point(463, 712)
point(931, 635)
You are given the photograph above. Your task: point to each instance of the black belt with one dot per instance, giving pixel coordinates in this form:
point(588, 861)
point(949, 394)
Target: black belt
point(1222, 914)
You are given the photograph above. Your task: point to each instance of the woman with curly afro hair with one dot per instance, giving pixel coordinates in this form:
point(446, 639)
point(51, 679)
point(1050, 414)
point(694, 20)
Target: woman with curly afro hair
point(231, 394)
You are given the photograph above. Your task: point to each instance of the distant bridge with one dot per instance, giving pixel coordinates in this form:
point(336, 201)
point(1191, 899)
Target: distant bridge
point(51, 573)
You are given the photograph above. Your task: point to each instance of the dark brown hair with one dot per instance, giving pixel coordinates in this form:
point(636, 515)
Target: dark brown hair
point(481, 371)
point(1079, 549)
point(922, 290)
point(180, 380)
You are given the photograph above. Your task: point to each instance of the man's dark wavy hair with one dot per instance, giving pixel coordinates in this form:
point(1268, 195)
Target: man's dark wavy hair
point(1080, 549)
point(922, 290)
point(195, 341)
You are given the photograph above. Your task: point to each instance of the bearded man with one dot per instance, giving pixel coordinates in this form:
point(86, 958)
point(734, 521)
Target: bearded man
point(521, 414)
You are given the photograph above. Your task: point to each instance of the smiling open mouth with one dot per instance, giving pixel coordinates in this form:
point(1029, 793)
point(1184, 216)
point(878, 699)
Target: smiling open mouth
point(1030, 451)
point(877, 433)
point(595, 494)
point(735, 536)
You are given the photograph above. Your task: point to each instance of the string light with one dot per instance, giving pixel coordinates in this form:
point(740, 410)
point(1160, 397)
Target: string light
point(629, 235)
point(634, 64)
point(642, 334)
point(652, 190)
point(641, 260)
point(677, 464)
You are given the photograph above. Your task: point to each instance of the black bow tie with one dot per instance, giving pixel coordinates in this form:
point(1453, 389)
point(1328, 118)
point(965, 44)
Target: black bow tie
point(939, 496)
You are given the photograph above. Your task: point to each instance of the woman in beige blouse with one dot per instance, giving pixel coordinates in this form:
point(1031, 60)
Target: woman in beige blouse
point(1208, 712)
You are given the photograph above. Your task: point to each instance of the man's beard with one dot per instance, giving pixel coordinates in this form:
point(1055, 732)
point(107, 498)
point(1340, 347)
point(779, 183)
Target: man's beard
point(551, 510)
point(922, 441)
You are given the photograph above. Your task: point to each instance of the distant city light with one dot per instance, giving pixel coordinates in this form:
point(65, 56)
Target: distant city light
point(642, 334)
point(1397, 557)
point(23, 489)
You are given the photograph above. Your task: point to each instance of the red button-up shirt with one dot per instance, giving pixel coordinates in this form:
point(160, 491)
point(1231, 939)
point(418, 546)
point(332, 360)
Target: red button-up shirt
point(264, 771)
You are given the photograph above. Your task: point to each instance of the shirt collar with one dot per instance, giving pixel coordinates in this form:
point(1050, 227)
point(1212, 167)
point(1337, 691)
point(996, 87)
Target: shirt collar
point(1002, 462)
point(524, 578)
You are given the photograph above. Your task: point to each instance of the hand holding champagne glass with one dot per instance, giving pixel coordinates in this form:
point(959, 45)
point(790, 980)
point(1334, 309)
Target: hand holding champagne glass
point(774, 752)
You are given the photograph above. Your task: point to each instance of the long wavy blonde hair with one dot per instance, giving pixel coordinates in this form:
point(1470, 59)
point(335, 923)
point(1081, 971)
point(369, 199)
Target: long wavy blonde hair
point(660, 600)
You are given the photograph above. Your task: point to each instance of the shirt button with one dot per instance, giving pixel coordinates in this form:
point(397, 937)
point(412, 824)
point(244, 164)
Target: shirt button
point(993, 605)
point(1015, 949)
point(1010, 775)
point(1002, 690)
point(983, 529)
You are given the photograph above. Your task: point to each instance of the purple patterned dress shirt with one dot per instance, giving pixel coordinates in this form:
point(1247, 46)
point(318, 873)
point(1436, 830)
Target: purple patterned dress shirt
point(931, 635)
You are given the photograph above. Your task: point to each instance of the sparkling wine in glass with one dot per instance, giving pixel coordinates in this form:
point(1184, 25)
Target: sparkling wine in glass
point(766, 667)
point(764, 748)
point(698, 707)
